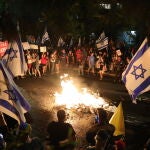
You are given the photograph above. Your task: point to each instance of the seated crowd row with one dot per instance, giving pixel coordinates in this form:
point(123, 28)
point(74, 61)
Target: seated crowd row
point(62, 136)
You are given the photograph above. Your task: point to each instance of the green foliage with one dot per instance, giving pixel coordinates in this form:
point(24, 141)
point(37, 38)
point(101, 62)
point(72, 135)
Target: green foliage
point(79, 17)
point(2, 5)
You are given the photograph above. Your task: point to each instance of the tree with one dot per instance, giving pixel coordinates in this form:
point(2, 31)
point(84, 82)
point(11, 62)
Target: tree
point(78, 17)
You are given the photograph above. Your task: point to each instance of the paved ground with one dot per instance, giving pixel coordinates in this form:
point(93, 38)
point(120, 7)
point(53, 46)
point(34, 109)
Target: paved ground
point(38, 92)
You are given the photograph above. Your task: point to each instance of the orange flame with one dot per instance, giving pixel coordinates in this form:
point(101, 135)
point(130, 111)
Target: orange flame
point(71, 97)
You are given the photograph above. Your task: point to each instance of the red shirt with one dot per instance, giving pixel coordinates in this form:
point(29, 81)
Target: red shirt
point(44, 60)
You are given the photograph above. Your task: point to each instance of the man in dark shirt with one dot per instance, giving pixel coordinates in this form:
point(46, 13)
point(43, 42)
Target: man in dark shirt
point(61, 134)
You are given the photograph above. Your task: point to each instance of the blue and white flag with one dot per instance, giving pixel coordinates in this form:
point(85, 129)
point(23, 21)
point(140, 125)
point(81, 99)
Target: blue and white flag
point(102, 41)
point(23, 64)
point(45, 36)
point(60, 42)
point(12, 102)
point(137, 74)
point(102, 44)
point(15, 59)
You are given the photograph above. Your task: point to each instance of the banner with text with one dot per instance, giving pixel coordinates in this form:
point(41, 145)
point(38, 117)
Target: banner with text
point(43, 49)
point(3, 47)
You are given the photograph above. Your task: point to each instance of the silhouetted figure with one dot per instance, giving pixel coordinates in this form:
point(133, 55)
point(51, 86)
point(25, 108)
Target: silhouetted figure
point(61, 134)
point(102, 123)
point(104, 140)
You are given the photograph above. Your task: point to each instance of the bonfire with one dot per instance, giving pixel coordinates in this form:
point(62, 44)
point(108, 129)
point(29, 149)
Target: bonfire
point(82, 99)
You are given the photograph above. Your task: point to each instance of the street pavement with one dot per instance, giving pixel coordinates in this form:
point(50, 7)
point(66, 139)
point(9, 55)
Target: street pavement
point(137, 116)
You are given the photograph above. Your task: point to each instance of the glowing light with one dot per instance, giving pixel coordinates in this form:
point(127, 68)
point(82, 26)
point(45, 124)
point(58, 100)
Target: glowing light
point(133, 32)
point(72, 97)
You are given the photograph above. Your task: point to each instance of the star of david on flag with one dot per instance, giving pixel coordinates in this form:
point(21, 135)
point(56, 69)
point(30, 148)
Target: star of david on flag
point(10, 94)
point(13, 54)
point(12, 102)
point(138, 71)
point(136, 76)
point(15, 59)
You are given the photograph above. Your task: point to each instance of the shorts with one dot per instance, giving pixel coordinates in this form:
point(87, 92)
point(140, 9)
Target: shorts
point(29, 66)
point(43, 65)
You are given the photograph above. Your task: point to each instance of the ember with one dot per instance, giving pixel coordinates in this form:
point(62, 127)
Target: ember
point(71, 97)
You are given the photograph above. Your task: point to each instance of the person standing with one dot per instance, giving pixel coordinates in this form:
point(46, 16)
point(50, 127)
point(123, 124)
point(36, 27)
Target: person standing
point(29, 62)
point(37, 66)
point(57, 63)
point(70, 58)
point(100, 66)
point(119, 66)
point(52, 62)
point(80, 67)
point(44, 61)
point(91, 63)
point(63, 60)
point(78, 54)
point(33, 67)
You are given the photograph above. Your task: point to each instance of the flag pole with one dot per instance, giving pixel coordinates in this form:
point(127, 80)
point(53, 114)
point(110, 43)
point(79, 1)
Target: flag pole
point(2, 120)
point(9, 54)
point(20, 47)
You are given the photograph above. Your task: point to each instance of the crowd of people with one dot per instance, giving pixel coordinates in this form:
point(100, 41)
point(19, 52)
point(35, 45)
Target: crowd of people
point(87, 60)
point(62, 136)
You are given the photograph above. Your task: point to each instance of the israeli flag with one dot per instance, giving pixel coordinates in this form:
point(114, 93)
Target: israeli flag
point(14, 56)
point(102, 41)
point(45, 36)
point(102, 44)
point(15, 59)
point(12, 102)
point(60, 42)
point(19, 47)
point(137, 74)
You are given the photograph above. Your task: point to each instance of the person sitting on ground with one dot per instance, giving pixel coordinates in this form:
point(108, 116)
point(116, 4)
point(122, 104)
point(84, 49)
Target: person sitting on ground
point(61, 134)
point(25, 141)
point(104, 140)
point(101, 123)
point(34, 144)
point(18, 136)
